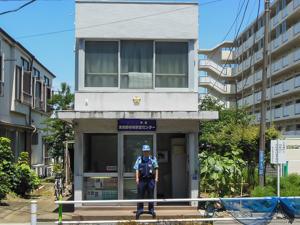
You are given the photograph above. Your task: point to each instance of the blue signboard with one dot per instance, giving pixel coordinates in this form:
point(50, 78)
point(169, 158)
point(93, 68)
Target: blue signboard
point(261, 163)
point(136, 125)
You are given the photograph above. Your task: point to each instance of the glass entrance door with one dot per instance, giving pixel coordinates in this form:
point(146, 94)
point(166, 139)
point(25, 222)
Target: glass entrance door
point(132, 149)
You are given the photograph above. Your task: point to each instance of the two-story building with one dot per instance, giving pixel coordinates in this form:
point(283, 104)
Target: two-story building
point(25, 87)
point(136, 83)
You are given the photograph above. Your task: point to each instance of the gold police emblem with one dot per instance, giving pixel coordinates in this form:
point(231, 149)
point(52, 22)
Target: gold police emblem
point(136, 100)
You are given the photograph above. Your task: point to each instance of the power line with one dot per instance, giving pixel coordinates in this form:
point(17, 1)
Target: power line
point(19, 8)
point(231, 49)
point(113, 22)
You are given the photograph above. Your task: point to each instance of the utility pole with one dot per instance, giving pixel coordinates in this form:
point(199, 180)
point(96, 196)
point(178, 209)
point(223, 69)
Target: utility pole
point(262, 139)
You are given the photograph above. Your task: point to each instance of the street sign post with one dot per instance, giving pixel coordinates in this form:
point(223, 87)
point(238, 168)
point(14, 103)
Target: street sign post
point(278, 156)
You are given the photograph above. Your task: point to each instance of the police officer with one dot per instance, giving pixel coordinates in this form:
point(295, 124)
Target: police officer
point(146, 175)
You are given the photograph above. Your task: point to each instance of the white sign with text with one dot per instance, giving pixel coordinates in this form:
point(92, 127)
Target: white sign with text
point(278, 151)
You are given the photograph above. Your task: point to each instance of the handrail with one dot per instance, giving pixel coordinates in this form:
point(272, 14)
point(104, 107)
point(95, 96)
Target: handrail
point(157, 200)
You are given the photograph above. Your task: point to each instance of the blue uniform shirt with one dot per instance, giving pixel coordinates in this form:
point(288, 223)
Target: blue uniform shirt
point(139, 161)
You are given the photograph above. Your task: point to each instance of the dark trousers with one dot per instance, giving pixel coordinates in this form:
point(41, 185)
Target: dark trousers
point(146, 186)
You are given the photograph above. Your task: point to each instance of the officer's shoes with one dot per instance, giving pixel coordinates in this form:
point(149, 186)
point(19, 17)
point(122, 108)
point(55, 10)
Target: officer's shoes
point(153, 214)
point(137, 215)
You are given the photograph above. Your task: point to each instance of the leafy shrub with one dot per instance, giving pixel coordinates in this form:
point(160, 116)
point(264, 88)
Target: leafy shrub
point(221, 174)
point(259, 191)
point(4, 184)
point(6, 167)
point(289, 186)
point(26, 179)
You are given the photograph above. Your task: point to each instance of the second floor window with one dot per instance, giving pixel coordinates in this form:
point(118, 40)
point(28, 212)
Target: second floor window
point(135, 64)
point(101, 64)
point(171, 64)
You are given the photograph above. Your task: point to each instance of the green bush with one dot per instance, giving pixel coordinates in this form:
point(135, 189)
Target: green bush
point(6, 167)
point(4, 184)
point(26, 180)
point(289, 186)
point(263, 191)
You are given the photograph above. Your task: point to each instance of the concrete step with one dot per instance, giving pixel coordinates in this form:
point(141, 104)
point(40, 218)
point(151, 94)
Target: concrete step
point(128, 212)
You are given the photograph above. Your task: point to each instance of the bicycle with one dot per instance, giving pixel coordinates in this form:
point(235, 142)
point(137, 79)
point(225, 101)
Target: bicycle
point(58, 186)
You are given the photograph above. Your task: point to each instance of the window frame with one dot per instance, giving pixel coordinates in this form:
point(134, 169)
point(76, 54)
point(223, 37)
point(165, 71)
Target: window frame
point(82, 63)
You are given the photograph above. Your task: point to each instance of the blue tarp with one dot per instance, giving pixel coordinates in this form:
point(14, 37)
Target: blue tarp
point(290, 206)
point(251, 211)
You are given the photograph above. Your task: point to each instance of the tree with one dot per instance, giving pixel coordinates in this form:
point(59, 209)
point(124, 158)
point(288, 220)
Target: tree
point(58, 130)
point(228, 146)
point(6, 167)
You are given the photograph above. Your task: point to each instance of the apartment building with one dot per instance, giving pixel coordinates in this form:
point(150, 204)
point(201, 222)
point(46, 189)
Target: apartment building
point(25, 87)
point(136, 83)
point(242, 84)
point(243, 80)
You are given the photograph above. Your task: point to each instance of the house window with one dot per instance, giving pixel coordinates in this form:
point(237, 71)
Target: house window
point(18, 84)
point(171, 68)
point(25, 64)
point(27, 82)
point(101, 64)
point(47, 81)
point(1, 75)
point(137, 64)
point(36, 73)
point(35, 138)
point(1, 68)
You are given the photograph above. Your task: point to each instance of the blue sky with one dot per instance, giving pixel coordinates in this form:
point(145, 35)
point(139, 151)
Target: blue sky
point(57, 51)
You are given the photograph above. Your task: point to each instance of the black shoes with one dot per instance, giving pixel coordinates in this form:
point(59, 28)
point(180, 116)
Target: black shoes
point(139, 213)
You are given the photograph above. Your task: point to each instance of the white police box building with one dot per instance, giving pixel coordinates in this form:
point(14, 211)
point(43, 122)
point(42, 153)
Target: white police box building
point(136, 83)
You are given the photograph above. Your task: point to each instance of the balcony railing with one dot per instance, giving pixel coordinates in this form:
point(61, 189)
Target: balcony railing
point(215, 67)
point(224, 88)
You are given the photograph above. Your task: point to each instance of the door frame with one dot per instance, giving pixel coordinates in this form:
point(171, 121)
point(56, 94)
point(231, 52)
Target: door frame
point(121, 173)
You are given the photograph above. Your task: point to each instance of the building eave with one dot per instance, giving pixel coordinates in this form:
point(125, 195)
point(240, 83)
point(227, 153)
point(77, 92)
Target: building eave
point(69, 116)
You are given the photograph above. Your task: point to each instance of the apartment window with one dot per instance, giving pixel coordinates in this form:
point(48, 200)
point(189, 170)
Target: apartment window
point(18, 84)
point(137, 64)
point(297, 106)
point(297, 81)
point(171, 68)
point(101, 64)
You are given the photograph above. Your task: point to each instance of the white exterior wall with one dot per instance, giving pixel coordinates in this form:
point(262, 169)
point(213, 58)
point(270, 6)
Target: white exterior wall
point(117, 20)
point(151, 21)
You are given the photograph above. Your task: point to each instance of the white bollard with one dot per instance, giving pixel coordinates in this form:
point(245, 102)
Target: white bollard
point(34, 212)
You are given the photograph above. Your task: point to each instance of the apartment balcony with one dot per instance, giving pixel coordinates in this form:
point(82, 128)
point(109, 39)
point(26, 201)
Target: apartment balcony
point(288, 112)
point(289, 10)
point(250, 41)
point(249, 81)
point(288, 60)
point(211, 83)
point(226, 55)
point(289, 87)
point(291, 34)
point(207, 64)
